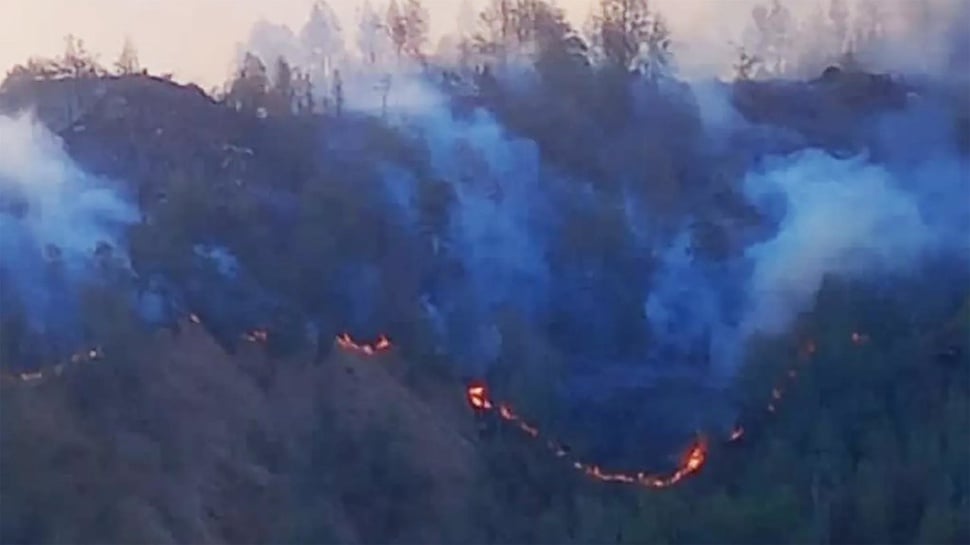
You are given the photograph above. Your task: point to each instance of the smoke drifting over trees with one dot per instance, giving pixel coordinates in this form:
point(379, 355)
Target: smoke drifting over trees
point(631, 252)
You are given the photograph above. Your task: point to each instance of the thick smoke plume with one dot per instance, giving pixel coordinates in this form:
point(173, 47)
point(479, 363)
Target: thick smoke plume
point(53, 217)
point(839, 217)
point(874, 215)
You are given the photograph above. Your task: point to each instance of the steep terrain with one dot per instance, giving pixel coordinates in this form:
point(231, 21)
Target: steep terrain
point(307, 224)
point(186, 443)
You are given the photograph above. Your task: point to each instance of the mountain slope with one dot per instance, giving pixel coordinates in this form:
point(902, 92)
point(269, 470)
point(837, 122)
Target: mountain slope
point(186, 443)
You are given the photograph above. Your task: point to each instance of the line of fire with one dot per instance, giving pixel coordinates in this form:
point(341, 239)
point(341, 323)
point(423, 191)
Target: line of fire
point(477, 395)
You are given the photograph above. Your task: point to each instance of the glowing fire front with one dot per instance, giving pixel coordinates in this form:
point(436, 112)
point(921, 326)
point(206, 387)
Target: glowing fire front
point(692, 461)
point(83, 356)
point(480, 401)
point(383, 344)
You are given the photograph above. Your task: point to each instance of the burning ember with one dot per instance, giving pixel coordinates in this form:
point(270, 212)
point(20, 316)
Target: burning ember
point(382, 344)
point(76, 358)
point(478, 398)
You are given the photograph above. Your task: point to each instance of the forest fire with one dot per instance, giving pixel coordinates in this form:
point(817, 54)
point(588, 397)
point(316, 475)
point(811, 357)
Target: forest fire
point(480, 401)
point(693, 460)
point(82, 356)
point(382, 344)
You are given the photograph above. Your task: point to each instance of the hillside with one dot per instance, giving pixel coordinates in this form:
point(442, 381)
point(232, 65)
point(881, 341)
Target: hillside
point(183, 442)
point(724, 312)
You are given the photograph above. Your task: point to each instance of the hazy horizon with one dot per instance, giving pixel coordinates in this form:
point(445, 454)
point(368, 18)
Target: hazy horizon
point(196, 41)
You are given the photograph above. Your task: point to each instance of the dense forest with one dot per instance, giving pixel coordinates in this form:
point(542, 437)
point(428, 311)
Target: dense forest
point(772, 265)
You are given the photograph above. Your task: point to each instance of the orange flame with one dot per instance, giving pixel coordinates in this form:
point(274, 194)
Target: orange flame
point(382, 344)
point(478, 398)
point(692, 462)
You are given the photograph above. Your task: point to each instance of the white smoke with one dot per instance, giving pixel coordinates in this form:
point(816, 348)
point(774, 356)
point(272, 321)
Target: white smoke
point(49, 207)
point(841, 217)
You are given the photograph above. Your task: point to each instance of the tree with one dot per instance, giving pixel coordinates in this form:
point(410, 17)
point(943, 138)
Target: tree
point(623, 28)
point(322, 40)
point(35, 69)
point(78, 61)
point(466, 26)
point(127, 62)
point(417, 23)
point(658, 58)
point(870, 27)
point(770, 40)
point(746, 65)
point(839, 21)
point(371, 39)
point(496, 21)
point(283, 91)
point(397, 28)
point(384, 86)
point(78, 64)
point(308, 104)
point(509, 27)
point(467, 19)
point(249, 90)
point(562, 57)
point(338, 93)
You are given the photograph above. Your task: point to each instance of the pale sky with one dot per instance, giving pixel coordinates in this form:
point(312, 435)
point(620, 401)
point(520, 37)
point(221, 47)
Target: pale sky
point(196, 39)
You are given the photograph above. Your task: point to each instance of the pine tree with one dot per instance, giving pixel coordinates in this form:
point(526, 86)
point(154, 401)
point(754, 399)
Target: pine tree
point(770, 40)
point(338, 93)
point(622, 28)
point(397, 28)
point(371, 39)
point(322, 39)
point(417, 23)
point(745, 66)
point(249, 90)
point(283, 91)
point(127, 62)
point(839, 19)
point(658, 60)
